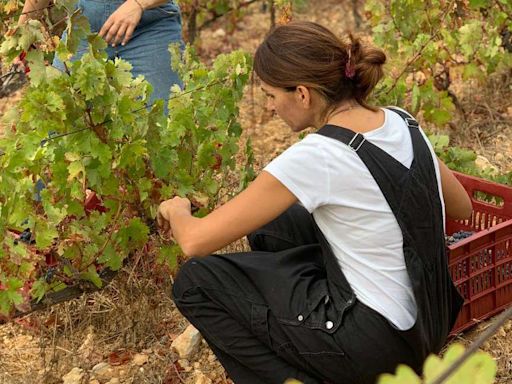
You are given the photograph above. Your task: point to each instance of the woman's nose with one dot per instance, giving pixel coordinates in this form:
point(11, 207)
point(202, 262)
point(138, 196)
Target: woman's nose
point(270, 105)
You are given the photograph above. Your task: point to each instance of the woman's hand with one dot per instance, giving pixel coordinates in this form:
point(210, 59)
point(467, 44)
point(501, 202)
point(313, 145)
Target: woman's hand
point(120, 25)
point(169, 208)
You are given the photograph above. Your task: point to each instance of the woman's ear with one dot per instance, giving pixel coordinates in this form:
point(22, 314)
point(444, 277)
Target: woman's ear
point(303, 95)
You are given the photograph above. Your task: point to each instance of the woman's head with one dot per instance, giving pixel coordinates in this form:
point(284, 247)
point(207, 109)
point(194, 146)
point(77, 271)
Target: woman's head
point(309, 55)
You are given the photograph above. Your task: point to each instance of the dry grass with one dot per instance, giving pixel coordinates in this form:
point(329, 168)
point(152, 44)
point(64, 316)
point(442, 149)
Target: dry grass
point(487, 123)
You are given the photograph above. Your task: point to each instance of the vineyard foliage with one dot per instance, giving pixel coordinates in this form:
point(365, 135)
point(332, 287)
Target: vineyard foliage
point(431, 43)
point(89, 131)
point(479, 368)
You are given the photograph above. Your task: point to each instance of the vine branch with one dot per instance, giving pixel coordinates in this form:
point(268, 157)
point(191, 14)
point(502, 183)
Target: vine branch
point(420, 51)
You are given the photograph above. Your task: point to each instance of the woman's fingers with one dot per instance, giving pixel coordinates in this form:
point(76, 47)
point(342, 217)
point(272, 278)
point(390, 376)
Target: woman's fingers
point(163, 224)
point(106, 27)
point(128, 35)
point(120, 35)
point(111, 32)
point(120, 25)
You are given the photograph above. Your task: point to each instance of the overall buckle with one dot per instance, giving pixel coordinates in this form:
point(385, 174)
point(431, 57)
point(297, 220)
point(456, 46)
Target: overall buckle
point(353, 142)
point(411, 122)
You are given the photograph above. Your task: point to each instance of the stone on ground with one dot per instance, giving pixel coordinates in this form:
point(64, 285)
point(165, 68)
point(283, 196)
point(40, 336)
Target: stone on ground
point(187, 344)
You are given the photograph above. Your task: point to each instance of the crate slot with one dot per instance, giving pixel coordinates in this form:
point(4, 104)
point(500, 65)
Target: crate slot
point(488, 198)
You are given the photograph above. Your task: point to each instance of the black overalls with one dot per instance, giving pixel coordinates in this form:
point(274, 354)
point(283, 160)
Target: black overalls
point(286, 309)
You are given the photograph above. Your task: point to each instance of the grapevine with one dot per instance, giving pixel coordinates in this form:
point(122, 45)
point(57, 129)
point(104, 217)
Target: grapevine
point(89, 132)
point(440, 39)
point(201, 13)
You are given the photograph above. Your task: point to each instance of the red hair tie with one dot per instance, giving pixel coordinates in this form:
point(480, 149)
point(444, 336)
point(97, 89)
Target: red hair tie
point(350, 69)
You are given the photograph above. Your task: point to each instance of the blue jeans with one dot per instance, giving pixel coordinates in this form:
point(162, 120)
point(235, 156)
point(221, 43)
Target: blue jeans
point(147, 51)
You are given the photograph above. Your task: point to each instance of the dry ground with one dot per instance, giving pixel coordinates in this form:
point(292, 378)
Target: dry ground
point(128, 328)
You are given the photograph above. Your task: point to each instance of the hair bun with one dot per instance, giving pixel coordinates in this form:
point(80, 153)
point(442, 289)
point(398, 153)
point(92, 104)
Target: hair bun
point(368, 62)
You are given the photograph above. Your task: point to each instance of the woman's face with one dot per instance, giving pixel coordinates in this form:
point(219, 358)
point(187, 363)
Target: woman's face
point(291, 106)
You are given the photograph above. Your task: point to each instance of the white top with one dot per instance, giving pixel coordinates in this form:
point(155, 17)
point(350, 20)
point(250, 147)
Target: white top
point(331, 182)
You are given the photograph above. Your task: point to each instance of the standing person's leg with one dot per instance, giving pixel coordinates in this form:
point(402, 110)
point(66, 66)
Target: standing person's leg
point(148, 49)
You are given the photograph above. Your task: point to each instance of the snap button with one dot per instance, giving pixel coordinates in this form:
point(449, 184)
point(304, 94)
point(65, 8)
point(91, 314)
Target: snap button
point(329, 324)
point(300, 318)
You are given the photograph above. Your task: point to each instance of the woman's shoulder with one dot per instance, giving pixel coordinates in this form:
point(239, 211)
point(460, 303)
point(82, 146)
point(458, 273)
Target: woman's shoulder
point(398, 111)
point(311, 151)
point(313, 142)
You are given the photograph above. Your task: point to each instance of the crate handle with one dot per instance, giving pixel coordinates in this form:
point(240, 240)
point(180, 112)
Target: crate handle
point(502, 193)
point(487, 198)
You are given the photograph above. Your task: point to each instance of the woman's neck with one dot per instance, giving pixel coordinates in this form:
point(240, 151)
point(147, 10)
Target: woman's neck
point(356, 117)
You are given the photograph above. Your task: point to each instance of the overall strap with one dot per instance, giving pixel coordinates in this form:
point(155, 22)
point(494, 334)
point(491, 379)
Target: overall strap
point(356, 140)
point(410, 121)
point(413, 196)
point(383, 168)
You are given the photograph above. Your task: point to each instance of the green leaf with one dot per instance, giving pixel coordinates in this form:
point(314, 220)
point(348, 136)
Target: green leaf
point(477, 4)
point(45, 234)
point(471, 71)
point(211, 186)
point(39, 289)
point(92, 276)
point(111, 258)
point(89, 77)
point(75, 169)
point(134, 235)
point(168, 255)
point(35, 59)
point(403, 375)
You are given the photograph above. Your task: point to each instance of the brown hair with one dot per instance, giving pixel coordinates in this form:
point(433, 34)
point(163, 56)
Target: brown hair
point(306, 53)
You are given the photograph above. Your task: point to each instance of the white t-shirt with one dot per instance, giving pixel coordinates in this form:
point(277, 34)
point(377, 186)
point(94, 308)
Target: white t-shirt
point(331, 182)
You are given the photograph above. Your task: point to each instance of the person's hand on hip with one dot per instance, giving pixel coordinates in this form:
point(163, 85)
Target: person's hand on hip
point(120, 25)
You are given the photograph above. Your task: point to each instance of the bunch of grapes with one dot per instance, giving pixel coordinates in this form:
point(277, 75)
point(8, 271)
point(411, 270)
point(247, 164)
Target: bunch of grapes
point(457, 236)
point(25, 237)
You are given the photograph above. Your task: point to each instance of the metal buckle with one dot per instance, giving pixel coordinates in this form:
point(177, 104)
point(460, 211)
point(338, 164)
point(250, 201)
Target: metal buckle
point(354, 139)
point(411, 122)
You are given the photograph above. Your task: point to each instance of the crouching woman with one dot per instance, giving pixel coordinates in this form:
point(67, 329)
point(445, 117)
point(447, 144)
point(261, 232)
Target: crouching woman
point(348, 275)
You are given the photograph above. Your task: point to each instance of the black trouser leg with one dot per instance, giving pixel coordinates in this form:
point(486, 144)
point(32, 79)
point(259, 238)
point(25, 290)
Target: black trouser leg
point(293, 228)
point(218, 298)
point(231, 315)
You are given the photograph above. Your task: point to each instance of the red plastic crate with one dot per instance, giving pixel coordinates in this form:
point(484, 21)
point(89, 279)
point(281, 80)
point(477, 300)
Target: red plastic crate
point(481, 265)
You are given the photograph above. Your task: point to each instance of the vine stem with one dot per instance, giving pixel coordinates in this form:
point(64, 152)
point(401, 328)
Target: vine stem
point(474, 347)
point(218, 16)
point(420, 50)
point(109, 238)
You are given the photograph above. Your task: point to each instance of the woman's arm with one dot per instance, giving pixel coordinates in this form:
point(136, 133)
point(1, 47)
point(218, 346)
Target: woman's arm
point(456, 199)
point(120, 25)
point(264, 200)
point(30, 8)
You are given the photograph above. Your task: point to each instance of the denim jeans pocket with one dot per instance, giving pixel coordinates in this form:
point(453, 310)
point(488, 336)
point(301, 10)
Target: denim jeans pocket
point(167, 13)
point(168, 9)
